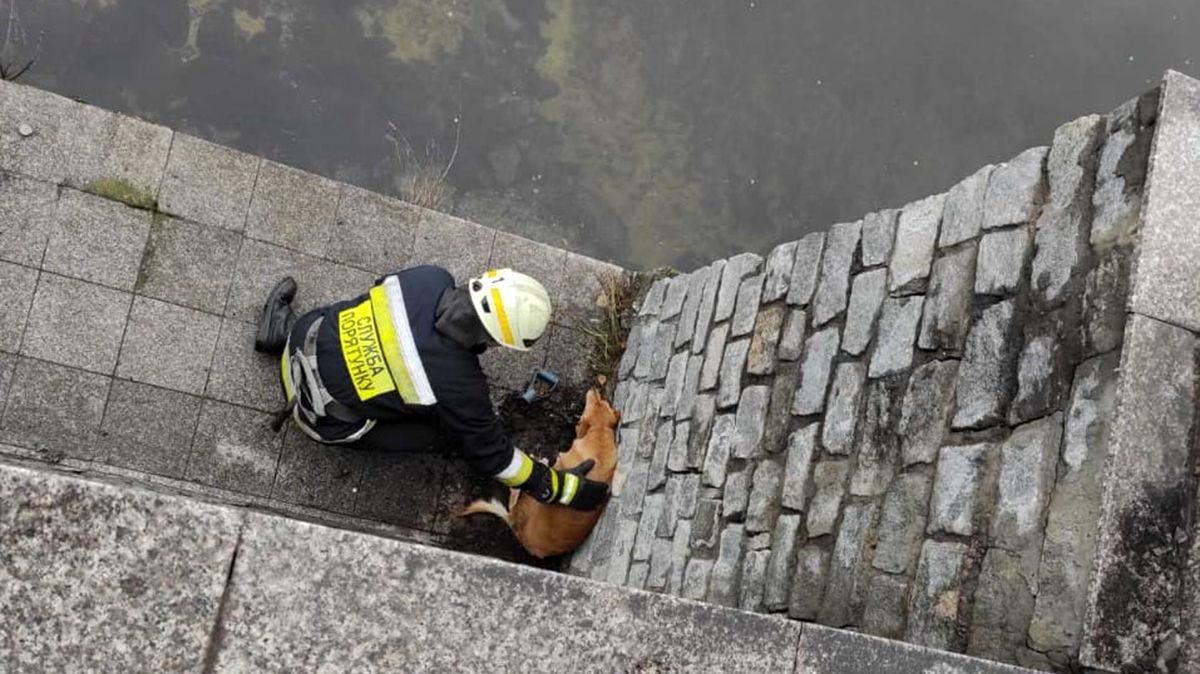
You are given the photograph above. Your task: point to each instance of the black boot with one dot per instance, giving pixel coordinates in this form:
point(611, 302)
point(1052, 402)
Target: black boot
point(277, 317)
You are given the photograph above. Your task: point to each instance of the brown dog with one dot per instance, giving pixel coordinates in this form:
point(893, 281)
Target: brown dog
point(549, 530)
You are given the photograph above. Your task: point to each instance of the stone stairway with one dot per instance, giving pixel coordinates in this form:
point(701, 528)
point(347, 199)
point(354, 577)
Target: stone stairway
point(966, 423)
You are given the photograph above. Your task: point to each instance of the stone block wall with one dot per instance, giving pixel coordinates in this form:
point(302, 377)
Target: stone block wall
point(901, 425)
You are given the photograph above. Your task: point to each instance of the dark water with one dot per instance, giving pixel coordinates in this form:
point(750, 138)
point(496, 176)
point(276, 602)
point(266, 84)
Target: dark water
point(643, 131)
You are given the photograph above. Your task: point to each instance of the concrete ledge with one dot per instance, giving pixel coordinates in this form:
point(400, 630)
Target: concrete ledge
point(1167, 279)
point(1138, 589)
point(98, 578)
point(111, 578)
point(824, 650)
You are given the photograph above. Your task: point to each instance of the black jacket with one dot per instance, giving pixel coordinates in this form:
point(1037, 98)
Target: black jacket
point(463, 409)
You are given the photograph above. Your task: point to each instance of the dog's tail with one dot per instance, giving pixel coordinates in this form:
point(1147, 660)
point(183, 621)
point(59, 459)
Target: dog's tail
point(486, 506)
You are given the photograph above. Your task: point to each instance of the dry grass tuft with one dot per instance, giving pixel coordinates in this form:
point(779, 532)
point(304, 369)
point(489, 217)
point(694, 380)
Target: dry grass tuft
point(13, 63)
point(610, 330)
point(421, 178)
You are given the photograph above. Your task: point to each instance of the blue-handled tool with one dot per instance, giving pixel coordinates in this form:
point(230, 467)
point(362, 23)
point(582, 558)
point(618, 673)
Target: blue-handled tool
point(541, 385)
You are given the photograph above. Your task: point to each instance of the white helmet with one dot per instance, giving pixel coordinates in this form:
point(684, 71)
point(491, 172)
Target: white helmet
point(513, 307)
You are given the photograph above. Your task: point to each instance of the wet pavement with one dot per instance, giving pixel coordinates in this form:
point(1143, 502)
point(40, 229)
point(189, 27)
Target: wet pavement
point(648, 133)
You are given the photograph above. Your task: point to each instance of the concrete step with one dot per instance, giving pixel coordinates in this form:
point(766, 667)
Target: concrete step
point(115, 578)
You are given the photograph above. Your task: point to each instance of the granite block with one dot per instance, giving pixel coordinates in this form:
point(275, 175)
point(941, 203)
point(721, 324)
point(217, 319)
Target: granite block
point(115, 579)
point(97, 240)
point(261, 265)
point(544, 263)
point(1166, 281)
point(916, 236)
point(925, 416)
point(68, 140)
point(460, 246)
point(841, 244)
point(843, 409)
point(586, 286)
point(878, 235)
point(849, 566)
point(134, 157)
point(1016, 190)
point(831, 651)
point(76, 323)
point(292, 208)
point(748, 299)
point(898, 321)
point(958, 489)
point(318, 476)
point(736, 268)
point(26, 218)
point(1061, 243)
point(865, 299)
point(878, 437)
point(708, 303)
point(240, 375)
point(802, 449)
point(805, 268)
point(373, 232)
point(208, 183)
point(148, 429)
point(947, 314)
point(1028, 460)
point(778, 271)
point(808, 583)
point(933, 605)
point(963, 216)
point(1071, 535)
point(298, 583)
point(988, 372)
point(168, 346)
point(814, 373)
point(54, 409)
point(234, 449)
point(189, 264)
point(17, 285)
point(1003, 257)
point(902, 523)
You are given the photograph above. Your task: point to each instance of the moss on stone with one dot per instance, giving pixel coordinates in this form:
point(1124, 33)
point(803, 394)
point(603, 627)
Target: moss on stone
point(122, 191)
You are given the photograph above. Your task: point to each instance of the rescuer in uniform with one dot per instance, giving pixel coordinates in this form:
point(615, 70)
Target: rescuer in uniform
point(398, 369)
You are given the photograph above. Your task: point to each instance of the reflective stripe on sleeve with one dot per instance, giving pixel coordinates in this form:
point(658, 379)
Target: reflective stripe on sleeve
point(570, 486)
point(518, 470)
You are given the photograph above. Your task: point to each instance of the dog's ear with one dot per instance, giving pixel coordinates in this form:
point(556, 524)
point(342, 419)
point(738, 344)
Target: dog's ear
point(589, 414)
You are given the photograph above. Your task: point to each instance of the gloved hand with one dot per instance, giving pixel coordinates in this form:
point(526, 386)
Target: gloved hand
point(569, 487)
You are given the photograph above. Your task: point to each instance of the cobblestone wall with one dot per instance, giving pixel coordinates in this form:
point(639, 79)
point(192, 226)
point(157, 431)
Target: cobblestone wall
point(898, 425)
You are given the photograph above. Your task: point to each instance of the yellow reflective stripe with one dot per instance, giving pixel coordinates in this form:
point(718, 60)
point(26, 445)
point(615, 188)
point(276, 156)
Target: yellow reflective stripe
point(522, 474)
point(491, 273)
point(391, 346)
point(502, 316)
point(570, 486)
point(362, 352)
point(284, 375)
